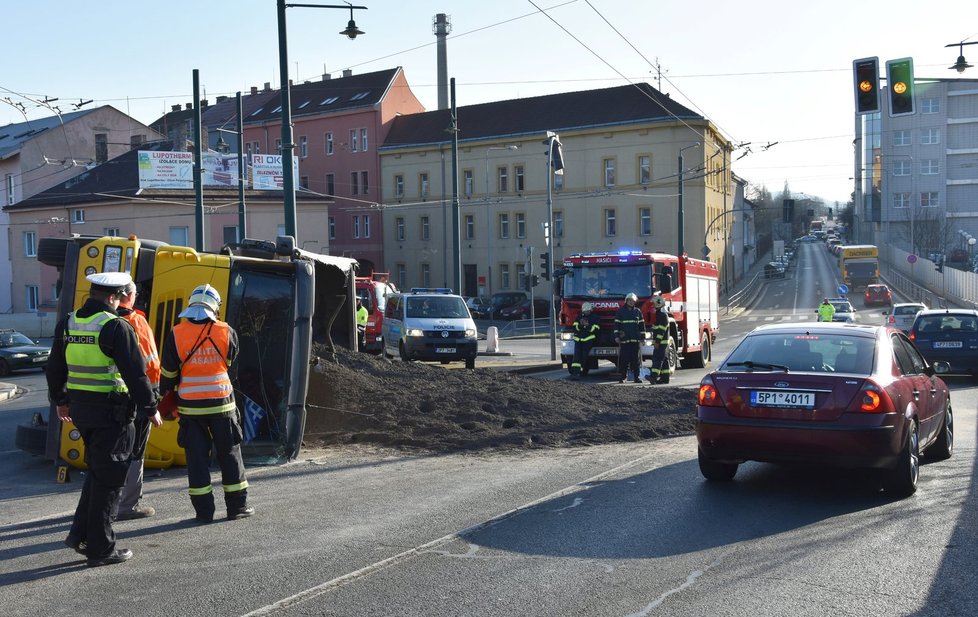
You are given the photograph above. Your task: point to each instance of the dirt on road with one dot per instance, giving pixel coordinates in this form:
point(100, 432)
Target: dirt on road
point(366, 400)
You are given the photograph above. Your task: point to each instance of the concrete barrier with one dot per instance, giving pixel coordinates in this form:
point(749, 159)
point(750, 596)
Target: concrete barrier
point(492, 339)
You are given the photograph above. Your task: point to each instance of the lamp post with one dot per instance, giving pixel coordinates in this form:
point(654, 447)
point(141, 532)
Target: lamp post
point(288, 166)
point(554, 166)
point(682, 221)
point(222, 147)
point(489, 220)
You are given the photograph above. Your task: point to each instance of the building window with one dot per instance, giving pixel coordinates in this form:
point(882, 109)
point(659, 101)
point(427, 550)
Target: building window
point(366, 225)
point(520, 224)
point(504, 276)
point(425, 228)
point(931, 106)
point(521, 276)
point(78, 216)
point(363, 181)
point(930, 167)
point(180, 236)
point(54, 292)
point(469, 227)
point(111, 231)
point(304, 182)
point(901, 200)
point(354, 183)
point(401, 270)
point(902, 168)
point(331, 226)
point(135, 141)
point(101, 147)
point(609, 172)
point(423, 185)
point(502, 179)
point(930, 136)
point(9, 183)
point(902, 138)
point(399, 186)
point(503, 225)
point(30, 244)
point(468, 188)
point(558, 223)
point(303, 147)
point(610, 223)
point(644, 169)
point(230, 234)
point(257, 147)
point(399, 224)
point(353, 140)
point(329, 143)
point(929, 200)
point(645, 221)
point(363, 140)
point(520, 174)
point(356, 226)
point(426, 275)
point(33, 298)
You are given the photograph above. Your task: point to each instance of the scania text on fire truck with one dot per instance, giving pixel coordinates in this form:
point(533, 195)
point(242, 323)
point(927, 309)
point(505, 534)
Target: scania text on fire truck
point(689, 287)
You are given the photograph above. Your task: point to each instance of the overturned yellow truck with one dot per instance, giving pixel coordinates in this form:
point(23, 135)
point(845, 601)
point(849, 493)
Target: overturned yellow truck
point(278, 298)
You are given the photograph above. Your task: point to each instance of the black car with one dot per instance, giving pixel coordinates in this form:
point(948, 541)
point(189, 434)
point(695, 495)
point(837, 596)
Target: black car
point(949, 335)
point(17, 352)
point(498, 302)
point(522, 310)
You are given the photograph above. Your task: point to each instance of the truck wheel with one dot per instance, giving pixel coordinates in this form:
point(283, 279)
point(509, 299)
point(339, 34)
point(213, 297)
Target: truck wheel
point(672, 355)
point(567, 361)
point(701, 359)
point(51, 251)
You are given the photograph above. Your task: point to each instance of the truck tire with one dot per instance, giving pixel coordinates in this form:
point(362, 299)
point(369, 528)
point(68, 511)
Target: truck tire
point(51, 251)
point(701, 358)
point(672, 355)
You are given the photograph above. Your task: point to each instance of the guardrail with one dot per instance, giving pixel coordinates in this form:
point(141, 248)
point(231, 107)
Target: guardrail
point(514, 328)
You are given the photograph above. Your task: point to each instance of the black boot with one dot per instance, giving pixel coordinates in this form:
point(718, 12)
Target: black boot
point(237, 504)
point(204, 507)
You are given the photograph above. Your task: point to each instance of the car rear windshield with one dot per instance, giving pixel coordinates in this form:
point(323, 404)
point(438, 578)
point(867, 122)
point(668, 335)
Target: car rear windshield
point(947, 323)
point(778, 351)
point(907, 310)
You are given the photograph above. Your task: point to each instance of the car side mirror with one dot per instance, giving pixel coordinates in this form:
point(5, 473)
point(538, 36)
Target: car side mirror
point(941, 368)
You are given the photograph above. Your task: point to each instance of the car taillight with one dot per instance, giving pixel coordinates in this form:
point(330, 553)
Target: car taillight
point(892, 319)
point(913, 336)
point(872, 399)
point(709, 396)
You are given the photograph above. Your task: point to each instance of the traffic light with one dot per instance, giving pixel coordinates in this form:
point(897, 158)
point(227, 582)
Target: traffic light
point(545, 265)
point(866, 77)
point(899, 81)
point(788, 212)
point(527, 284)
point(939, 264)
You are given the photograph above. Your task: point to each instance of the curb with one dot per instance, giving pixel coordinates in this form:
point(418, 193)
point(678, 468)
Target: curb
point(9, 391)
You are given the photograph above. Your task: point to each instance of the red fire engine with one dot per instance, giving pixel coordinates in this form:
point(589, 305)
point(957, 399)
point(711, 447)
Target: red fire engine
point(689, 286)
point(373, 292)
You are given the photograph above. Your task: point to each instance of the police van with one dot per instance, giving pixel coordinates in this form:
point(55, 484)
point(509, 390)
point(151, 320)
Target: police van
point(429, 324)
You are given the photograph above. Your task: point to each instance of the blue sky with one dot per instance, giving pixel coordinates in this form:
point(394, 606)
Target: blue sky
point(763, 71)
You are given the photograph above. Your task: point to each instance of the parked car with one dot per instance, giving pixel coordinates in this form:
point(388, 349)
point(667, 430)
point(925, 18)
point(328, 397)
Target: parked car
point(18, 352)
point(499, 301)
point(774, 270)
point(825, 395)
point(522, 310)
point(948, 335)
point(476, 303)
point(877, 295)
point(902, 314)
point(957, 255)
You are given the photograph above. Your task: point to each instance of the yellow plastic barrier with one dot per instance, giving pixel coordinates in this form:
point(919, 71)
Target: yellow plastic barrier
point(162, 451)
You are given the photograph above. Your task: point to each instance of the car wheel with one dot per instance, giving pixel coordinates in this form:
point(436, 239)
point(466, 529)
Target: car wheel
point(943, 446)
point(403, 351)
point(701, 359)
point(902, 480)
point(716, 471)
point(4, 368)
point(470, 363)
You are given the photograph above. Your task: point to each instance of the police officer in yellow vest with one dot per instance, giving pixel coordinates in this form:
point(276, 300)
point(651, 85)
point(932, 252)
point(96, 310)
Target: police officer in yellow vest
point(97, 380)
point(826, 311)
point(362, 316)
point(197, 356)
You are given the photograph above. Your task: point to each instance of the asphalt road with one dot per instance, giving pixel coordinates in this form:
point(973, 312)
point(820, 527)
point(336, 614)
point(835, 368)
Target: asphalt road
point(629, 529)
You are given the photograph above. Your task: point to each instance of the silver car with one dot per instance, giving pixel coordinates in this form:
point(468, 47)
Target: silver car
point(901, 315)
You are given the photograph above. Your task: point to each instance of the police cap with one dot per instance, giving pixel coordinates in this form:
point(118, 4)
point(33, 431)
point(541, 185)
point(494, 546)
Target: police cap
point(109, 282)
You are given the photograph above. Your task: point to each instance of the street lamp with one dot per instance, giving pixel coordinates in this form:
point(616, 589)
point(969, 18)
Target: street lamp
point(488, 220)
point(223, 148)
point(288, 166)
point(960, 64)
point(682, 221)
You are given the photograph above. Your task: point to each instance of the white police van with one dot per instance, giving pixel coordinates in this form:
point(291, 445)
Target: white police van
point(429, 324)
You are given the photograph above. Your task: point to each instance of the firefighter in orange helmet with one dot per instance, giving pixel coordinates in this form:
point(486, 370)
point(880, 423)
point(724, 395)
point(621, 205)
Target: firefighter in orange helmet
point(197, 357)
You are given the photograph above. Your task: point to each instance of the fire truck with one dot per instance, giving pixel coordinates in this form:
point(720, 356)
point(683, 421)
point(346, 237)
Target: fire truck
point(689, 286)
point(373, 292)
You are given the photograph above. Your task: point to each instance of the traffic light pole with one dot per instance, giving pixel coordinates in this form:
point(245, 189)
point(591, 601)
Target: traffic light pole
point(550, 245)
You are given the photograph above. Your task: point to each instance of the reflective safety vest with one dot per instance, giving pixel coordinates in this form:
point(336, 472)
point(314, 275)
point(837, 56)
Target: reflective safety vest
point(826, 312)
point(147, 345)
point(205, 386)
point(583, 334)
point(89, 369)
point(362, 315)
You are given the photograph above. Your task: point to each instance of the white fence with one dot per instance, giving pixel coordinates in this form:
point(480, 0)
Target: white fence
point(921, 280)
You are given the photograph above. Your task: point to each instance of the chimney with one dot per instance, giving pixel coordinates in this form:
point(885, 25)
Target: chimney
point(174, 108)
point(203, 103)
point(347, 72)
point(327, 77)
point(442, 26)
point(254, 90)
point(268, 86)
point(188, 105)
point(221, 99)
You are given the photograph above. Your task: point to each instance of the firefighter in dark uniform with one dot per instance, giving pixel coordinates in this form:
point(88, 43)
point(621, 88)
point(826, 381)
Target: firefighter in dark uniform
point(629, 329)
point(660, 371)
point(197, 356)
point(97, 380)
point(585, 331)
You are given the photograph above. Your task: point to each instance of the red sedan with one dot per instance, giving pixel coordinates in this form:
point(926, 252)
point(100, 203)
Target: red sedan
point(844, 395)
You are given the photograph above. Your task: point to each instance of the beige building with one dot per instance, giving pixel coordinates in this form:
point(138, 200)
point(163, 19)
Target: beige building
point(619, 191)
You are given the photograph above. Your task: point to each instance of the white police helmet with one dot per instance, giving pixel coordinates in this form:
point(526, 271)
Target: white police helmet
point(204, 303)
point(658, 301)
point(631, 297)
point(109, 282)
point(587, 307)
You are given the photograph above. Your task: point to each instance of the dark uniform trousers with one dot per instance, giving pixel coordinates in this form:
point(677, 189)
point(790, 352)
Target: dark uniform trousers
point(199, 435)
point(629, 359)
point(107, 452)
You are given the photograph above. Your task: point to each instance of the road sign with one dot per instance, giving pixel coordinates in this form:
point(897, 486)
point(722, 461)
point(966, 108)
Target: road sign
point(911, 259)
point(706, 251)
point(843, 290)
